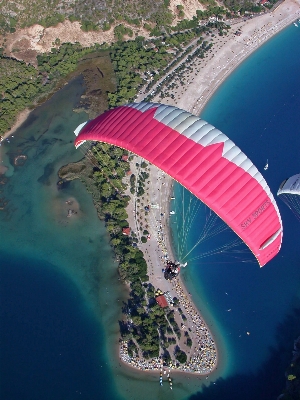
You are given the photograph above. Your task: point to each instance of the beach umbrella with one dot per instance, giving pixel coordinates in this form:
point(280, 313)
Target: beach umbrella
point(202, 159)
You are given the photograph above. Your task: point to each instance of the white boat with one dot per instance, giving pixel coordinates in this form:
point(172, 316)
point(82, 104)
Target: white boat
point(295, 24)
point(266, 166)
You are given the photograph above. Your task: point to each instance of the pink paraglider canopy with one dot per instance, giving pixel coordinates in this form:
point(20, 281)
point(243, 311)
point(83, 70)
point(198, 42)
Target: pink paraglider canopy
point(203, 160)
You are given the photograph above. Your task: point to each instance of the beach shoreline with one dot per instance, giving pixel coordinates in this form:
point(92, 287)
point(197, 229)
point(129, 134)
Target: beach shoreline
point(21, 118)
point(239, 61)
point(227, 53)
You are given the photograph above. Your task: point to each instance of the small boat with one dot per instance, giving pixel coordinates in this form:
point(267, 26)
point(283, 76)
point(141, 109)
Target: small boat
point(295, 24)
point(266, 166)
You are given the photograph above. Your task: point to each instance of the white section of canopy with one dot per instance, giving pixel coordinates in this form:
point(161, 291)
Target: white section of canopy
point(79, 127)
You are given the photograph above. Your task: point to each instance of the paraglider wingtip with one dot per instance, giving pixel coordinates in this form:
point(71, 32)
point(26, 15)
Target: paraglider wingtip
point(79, 143)
point(79, 127)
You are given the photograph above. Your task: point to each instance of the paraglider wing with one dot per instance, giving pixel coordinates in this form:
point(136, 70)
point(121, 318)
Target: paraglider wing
point(289, 192)
point(203, 160)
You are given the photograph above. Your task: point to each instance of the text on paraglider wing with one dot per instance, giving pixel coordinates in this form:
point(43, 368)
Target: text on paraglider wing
point(255, 214)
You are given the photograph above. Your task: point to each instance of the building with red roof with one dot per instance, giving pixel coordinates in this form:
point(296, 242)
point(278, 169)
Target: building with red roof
point(126, 231)
point(161, 301)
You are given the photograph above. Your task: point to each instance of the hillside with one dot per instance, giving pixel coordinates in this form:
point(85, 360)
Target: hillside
point(30, 28)
point(94, 14)
point(103, 14)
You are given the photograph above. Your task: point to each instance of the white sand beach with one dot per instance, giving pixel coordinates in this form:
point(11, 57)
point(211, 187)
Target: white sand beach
point(227, 53)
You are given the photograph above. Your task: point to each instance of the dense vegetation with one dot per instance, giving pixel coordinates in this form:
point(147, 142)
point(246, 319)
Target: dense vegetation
point(63, 60)
point(108, 180)
point(132, 265)
point(19, 86)
point(149, 326)
point(132, 61)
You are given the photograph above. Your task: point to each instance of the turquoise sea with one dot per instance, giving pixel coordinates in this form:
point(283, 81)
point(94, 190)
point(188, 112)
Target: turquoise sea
point(60, 297)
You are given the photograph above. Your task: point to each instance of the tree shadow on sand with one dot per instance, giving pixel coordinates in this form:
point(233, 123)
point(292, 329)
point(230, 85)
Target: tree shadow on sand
point(269, 382)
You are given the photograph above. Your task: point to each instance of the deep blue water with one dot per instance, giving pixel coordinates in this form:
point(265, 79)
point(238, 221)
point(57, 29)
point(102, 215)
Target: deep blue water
point(258, 107)
point(49, 343)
